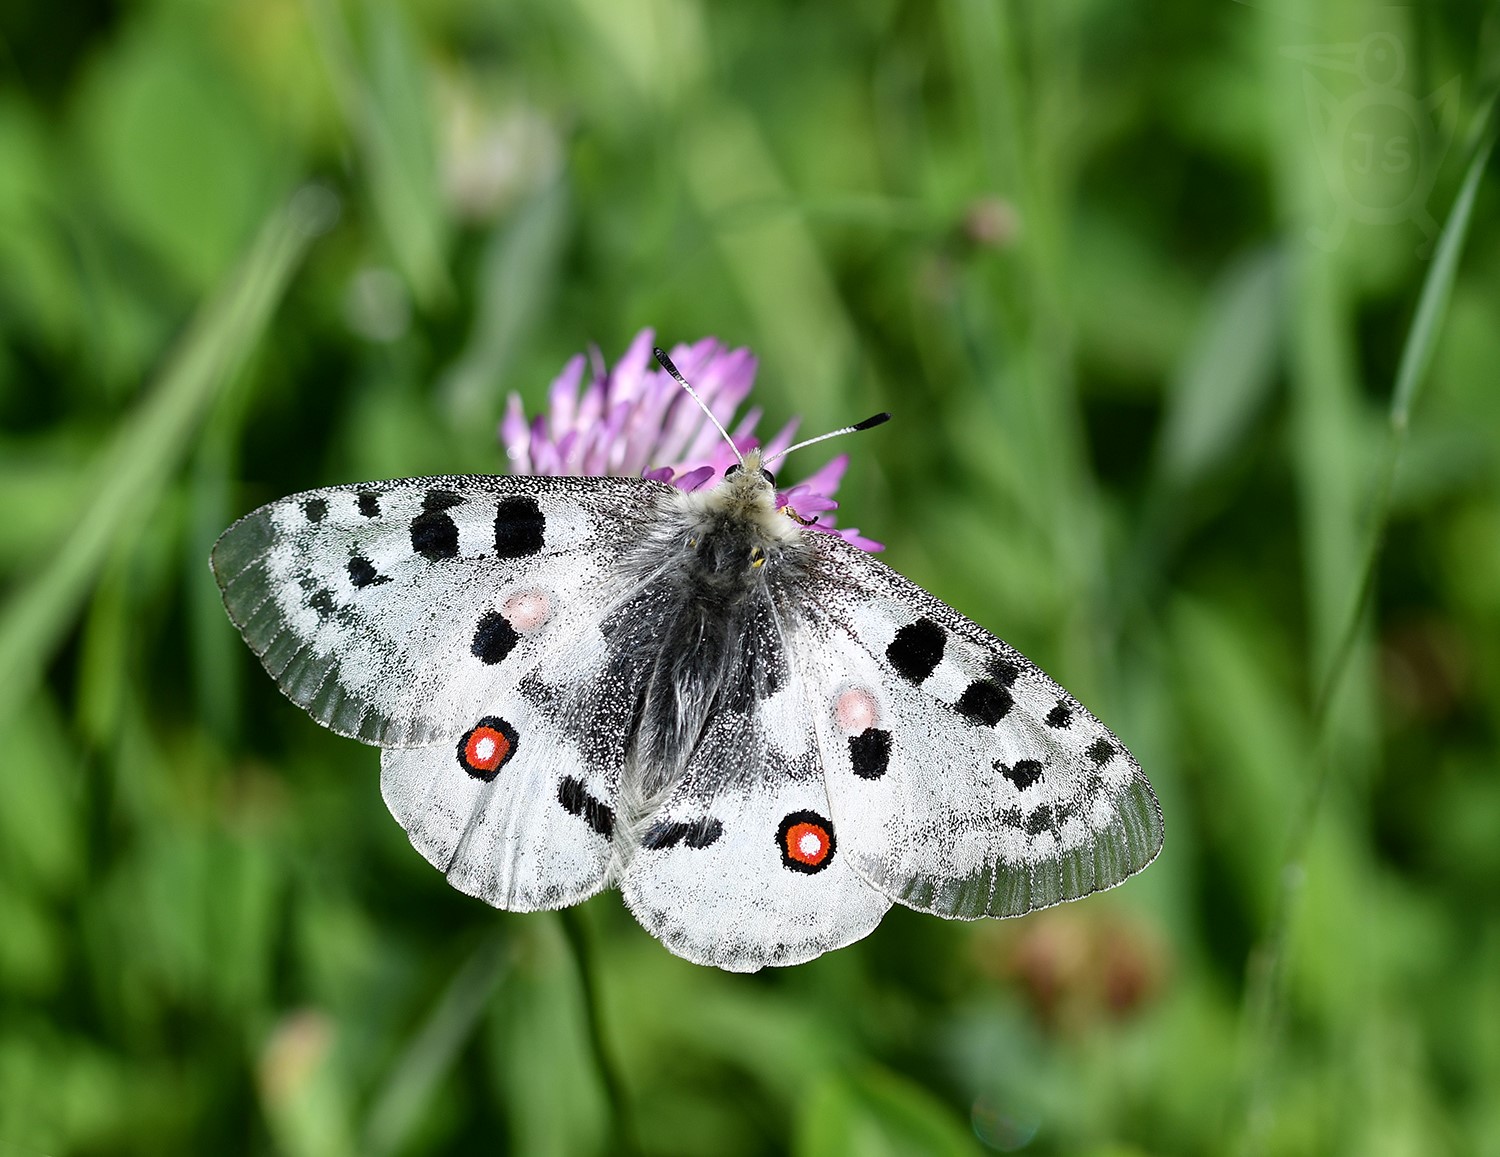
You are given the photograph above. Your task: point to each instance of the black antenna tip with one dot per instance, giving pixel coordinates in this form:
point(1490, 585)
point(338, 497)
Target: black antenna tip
point(666, 362)
point(871, 422)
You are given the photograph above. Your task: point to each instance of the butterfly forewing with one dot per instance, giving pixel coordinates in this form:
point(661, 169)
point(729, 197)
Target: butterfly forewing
point(969, 782)
point(382, 608)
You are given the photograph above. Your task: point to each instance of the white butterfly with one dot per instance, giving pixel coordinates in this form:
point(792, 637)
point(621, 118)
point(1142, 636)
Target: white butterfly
point(760, 734)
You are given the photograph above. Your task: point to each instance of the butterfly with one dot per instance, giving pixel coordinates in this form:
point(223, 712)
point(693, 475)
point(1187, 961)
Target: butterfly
point(760, 734)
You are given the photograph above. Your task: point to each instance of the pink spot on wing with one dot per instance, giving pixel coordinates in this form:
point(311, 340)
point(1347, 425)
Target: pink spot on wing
point(855, 710)
point(526, 611)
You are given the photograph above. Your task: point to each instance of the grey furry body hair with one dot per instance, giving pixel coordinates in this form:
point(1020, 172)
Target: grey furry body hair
point(700, 638)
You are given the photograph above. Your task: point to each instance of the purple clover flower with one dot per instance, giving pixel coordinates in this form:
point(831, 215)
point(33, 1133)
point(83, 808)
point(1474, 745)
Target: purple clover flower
point(635, 421)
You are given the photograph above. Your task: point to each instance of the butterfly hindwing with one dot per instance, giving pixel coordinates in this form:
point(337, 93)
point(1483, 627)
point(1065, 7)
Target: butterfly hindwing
point(968, 782)
point(514, 811)
point(742, 865)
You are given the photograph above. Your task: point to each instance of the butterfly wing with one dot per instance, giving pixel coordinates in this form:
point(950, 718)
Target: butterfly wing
point(380, 608)
point(965, 781)
point(415, 615)
point(741, 866)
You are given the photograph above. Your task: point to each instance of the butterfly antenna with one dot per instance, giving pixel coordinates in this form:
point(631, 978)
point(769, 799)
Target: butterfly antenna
point(666, 364)
point(868, 424)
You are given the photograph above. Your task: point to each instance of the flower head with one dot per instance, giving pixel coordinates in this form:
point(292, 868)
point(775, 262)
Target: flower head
point(635, 421)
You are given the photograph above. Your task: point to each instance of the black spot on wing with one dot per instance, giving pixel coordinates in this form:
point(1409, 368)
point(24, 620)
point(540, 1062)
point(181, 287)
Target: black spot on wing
point(1040, 821)
point(315, 509)
point(519, 527)
point(1101, 751)
point(703, 833)
point(663, 834)
point(577, 800)
point(985, 702)
point(494, 638)
point(1023, 773)
point(369, 503)
point(322, 602)
point(1061, 715)
point(1004, 672)
point(870, 752)
point(698, 835)
point(917, 649)
point(434, 534)
point(362, 573)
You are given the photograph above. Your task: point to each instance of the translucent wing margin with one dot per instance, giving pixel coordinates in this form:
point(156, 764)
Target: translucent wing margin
point(967, 781)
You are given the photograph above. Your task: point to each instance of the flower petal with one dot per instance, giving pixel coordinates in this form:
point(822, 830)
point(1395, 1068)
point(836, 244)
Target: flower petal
point(694, 479)
point(635, 421)
point(562, 397)
point(515, 436)
point(826, 480)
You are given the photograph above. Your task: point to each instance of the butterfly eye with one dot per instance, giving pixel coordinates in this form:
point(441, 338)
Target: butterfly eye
point(735, 469)
point(768, 476)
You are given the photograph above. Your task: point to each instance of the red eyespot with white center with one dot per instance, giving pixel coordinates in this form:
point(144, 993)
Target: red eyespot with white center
point(527, 611)
point(856, 709)
point(806, 842)
point(487, 747)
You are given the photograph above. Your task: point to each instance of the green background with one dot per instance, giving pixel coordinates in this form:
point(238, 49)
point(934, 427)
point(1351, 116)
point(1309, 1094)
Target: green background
point(1152, 290)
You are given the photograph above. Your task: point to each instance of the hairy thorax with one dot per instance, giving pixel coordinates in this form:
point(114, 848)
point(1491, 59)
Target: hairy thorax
point(705, 625)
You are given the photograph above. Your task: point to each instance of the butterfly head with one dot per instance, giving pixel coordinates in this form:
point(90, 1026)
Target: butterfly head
point(754, 475)
point(747, 492)
point(741, 509)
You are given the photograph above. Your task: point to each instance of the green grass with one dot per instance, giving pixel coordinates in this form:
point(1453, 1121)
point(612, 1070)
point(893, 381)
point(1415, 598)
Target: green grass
point(1232, 482)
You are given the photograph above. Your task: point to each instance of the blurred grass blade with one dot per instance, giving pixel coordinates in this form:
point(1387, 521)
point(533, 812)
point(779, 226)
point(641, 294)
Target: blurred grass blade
point(130, 472)
point(778, 266)
point(513, 289)
point(1218, 389)
point(1266, 989)
point(874, 1111)
point(384, 102)
point(304, 1091)
point(1416, 356)
point(397, 1108)
point(1228, 373)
